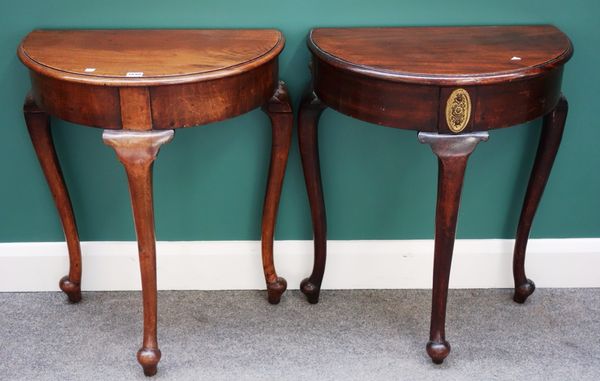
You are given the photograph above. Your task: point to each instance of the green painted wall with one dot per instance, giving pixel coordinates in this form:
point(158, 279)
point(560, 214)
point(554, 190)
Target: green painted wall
point(379, 182)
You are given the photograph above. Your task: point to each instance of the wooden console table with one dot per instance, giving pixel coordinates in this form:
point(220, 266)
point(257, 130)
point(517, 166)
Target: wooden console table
point(452, 84)
point(139, 86)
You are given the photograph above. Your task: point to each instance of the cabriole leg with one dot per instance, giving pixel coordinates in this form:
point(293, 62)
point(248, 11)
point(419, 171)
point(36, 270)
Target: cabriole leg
point(137, 151)
point(279, 110)
point(453, 152)
point(38, 125)
point(552, 130)
point(308, 119)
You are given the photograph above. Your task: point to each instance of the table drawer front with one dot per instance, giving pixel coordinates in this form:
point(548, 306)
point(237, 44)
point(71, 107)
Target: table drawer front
point(95, 106)
point(193, 104)
point(376, 101)
point(426, 107)
point(511, 103)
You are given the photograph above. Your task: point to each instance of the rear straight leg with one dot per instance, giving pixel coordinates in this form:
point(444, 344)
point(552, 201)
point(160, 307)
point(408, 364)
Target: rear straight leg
point(308, 120)
point(279, 110)
point(552, 130)
point(38, 126)
point(453, 152)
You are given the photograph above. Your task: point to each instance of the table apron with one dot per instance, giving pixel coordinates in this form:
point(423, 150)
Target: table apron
point(423, 107)
point(168, 106)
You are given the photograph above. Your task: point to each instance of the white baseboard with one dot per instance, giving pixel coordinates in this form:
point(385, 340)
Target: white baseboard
point(218, 265)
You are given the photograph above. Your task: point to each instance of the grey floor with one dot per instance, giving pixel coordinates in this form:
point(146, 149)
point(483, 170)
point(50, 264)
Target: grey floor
point(349, 335)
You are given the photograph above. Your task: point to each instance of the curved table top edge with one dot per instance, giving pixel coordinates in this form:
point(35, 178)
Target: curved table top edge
point(241, 68)
point(439, 80)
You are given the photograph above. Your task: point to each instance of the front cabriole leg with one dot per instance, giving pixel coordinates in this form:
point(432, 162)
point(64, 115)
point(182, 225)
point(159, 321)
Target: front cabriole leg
point(452, 152)
point(137, 151)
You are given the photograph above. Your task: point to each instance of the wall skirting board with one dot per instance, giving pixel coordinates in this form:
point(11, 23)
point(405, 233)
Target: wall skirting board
point(217, 265)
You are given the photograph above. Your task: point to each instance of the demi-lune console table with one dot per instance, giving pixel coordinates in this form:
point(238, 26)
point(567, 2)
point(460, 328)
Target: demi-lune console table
point(452, 85)
point(140, 86)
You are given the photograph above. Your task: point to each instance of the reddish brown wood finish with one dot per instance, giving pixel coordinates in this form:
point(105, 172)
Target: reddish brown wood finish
point(405, 78)
point(137, 151)
point(552, 130)
point(211, 101)
point(279, 110)
point(164, 56)
point(38, 125)
point(452, 152)
point(376, 100)
point(96, 106)
point(359, 73)
point(193, 77)
point(189, 77)
point(308, 120)
point(444, 56)
point(136, 112)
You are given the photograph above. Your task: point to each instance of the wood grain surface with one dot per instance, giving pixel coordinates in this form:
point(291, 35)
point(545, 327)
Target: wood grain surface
point(130, 57)
point(408, 78)
point(140, 85)
point(444, 55)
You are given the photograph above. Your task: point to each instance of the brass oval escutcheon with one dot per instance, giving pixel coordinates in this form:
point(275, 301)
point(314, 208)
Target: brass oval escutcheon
point(458, 110)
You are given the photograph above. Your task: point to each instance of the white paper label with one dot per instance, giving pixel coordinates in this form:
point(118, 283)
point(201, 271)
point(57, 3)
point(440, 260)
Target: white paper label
point(134, 74)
